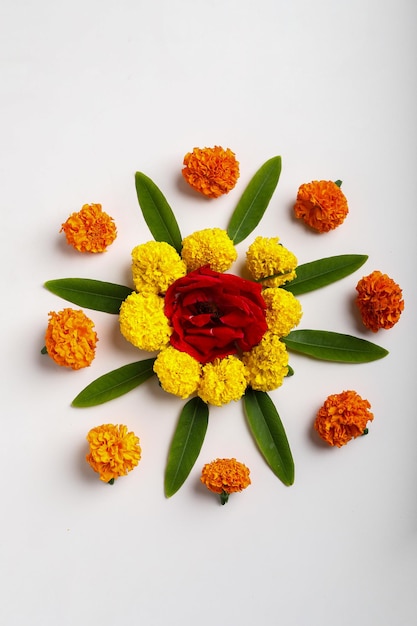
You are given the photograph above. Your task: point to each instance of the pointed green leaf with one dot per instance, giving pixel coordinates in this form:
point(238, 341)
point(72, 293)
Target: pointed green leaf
point(330, 346)
point(269, 434)
point(254, 201)
point(157, 213)
point(115, 383)
point(323, 272)
point(91, 294)
point(186, 444)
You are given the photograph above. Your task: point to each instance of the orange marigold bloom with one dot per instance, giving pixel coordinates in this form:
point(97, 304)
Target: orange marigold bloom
point(343, 417)
point(113, 451)
point(211, 171)
point(225, 476)
point(70, 339)
point(379, 301)
point(90, 230)
point(321, 204)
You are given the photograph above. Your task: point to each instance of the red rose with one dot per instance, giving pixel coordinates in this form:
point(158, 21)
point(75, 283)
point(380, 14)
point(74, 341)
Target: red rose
point(215, 314)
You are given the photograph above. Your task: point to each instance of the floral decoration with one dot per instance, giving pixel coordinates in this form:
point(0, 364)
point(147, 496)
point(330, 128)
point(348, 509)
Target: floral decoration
point(211, 171)
point(114, 451)
point(225, 476)
point(212, 336)
point(343, 417)
point(321, 204)
point(70, 338)
point(379, 300)
point(90, 229)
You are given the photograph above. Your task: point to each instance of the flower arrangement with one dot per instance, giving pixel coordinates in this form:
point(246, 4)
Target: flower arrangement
point(215, 337)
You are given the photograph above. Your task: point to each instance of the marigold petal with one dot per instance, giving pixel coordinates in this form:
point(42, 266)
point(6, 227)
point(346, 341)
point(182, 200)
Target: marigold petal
point(155, 266)
point(266, 364)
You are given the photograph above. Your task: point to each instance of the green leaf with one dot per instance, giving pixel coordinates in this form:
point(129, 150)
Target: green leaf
point(323, 272)
point(115, 383)
point(91, 294)
point(338, 183)
point(254, 201)
point(330, 346)
point(186, 444)
point(269, 434)
point(157, 213)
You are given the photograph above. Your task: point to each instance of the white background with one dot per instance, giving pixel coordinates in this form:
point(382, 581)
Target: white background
point(91, 92)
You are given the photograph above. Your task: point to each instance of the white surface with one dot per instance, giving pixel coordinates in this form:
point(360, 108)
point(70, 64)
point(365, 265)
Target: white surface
point(93, 91)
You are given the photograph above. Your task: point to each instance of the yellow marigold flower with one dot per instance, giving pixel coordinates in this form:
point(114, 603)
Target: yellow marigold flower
point(379, 301)
point(143, 322)
point(90, 230)
point(266, 364)
point(321, 204)
point(178, 372)
point(266, 257)
point(283, 310)
point(222, 380)
point(211, 171)
point(113, 451)
point(225, 476)
point(211, 246)
point(70, 339)
point(155, 266)
point(343, 417)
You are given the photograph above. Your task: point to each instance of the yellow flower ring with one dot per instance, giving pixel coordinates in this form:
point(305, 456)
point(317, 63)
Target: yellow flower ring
point(212, 336)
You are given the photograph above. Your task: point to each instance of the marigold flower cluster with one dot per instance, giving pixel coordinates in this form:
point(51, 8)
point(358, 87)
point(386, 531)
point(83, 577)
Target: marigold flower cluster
point(343, 417)
point(197, 317)
point(379, 301)
point(114, 451)
point(211, 171)
point(90, 229)
point(321, 204)
point(225, 476)
point(70, 339)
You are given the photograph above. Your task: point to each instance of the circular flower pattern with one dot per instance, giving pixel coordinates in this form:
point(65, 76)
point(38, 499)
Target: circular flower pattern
point(379, 301)
point(90, 229)
point(214, 315)
point(321, 204)
point(70, 339)
point(343, 417)
point(211, 171)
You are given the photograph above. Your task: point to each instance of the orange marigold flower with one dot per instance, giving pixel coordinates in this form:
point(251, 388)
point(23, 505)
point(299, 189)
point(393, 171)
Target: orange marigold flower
point(379, 301)
point(211, 171)
point(113, 451)
point(225, 476)
point(321, 204)
point(90, 230)
point(70, 339)
point(343, 417)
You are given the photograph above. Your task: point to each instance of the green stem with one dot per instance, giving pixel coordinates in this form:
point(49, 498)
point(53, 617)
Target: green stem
point(224, 497)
